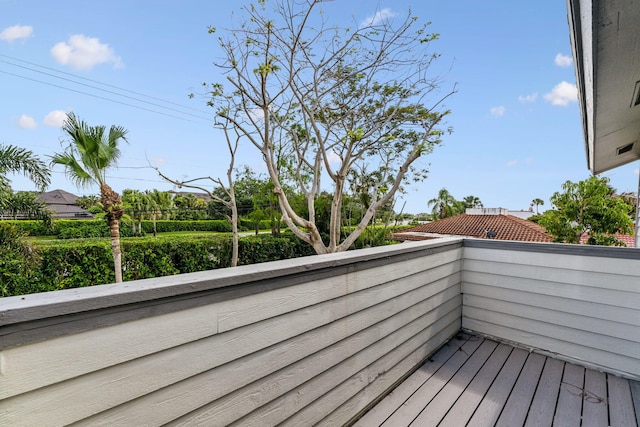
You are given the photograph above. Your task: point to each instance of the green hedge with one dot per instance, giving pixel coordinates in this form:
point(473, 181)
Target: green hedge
point(167, 226)
point(75, 229)
point(76, 264)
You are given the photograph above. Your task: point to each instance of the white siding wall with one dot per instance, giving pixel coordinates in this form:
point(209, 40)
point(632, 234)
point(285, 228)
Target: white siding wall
point(582, 306)
point(317, 350)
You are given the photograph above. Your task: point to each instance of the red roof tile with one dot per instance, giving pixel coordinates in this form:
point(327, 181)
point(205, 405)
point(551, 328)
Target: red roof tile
point(506, 227)
point(627, 239)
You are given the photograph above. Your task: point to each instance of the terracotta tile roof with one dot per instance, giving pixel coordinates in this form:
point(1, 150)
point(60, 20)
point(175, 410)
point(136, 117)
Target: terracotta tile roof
point(628, 239)
point(506, 227)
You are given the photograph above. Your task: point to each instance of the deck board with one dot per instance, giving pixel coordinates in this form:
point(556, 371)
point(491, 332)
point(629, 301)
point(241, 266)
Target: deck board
point(475, 381)
point(519, 401)
point(462, 411)
point(569, 406)
point(594, 402)
point(491, 406)
point(412, 407)
point(620, 401)
point(440, 405)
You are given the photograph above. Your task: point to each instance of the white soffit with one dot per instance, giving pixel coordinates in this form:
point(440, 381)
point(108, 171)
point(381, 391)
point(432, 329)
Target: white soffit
point(605, 38)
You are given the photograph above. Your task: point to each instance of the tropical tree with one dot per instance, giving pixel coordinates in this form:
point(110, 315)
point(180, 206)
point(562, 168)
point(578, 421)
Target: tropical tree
point(471, 202)
point(587, 207)
point(29, 205)
point(537, 202)
point(159, 204)
point(90, 153)
point(444, 205)
point(18, 160)
point(189, 206)
point(320, 101)
point(88, 202)
point(136, 206)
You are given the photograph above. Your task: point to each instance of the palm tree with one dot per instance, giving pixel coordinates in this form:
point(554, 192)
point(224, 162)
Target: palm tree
point(444, 205)
point(472, 202)
point(160, 203)
point(91, 152)
point(135, 203)
point(537, 202)
point(18, 160)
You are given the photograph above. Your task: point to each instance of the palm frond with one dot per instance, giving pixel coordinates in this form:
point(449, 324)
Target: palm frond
point(18, 160)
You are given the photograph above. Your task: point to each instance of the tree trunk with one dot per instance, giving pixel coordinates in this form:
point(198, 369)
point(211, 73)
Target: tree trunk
point(155, 230)
point(113, 205)
point(114, 232)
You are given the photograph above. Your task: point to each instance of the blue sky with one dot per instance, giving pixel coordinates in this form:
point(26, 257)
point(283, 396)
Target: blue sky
point(517, 130)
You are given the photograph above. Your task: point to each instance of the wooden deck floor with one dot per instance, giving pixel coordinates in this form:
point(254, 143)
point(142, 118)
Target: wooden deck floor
point(474, 381)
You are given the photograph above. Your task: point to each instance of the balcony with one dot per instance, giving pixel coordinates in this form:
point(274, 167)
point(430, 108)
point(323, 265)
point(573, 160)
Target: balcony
point(319, 340)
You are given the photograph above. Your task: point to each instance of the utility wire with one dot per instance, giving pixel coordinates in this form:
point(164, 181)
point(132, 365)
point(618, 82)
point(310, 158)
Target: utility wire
point(95, 81)
point(98, 96)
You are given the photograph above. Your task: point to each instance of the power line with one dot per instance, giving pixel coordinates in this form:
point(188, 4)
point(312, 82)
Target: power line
point(98, 82)
point(105, 90)
point(98, 96)
point(103, 97)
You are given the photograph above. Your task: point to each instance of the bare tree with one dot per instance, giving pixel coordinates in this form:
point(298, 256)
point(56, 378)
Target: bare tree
point(232, 138)
point(319, 101)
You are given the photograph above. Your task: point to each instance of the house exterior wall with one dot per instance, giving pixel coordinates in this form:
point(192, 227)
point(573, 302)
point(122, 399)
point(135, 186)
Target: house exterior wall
point(300, 341)
point(580, 303)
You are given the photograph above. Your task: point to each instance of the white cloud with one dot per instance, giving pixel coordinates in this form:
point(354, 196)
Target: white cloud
point(27, 122)
point(83, 53)
point(528, 98)
point(16, 32)
point(158, 161)
point(562, 94)
point(55, 118)
point(380, 16)
point(563, 60)
point(511, 163)
point(334, 159)
point(498, 111)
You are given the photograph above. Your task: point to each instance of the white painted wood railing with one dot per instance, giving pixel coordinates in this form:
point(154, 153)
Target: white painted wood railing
point(579, 303)
point(299, 341)
point(304, 341)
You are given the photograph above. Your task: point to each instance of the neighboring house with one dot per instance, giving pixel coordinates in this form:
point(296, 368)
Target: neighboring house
point(481, 223)
point(63, 205)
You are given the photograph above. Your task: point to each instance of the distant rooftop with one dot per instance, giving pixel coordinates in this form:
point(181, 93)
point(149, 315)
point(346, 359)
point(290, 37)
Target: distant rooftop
point(492, 223)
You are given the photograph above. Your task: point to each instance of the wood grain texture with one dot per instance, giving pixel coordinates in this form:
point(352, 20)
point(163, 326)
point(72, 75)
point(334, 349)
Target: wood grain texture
point(569, 405)
point(595, 410)
point(621, 411)
point(383, 410)
point(517, 405)
point(491, 406)
point(443, 402)
point(412, 407)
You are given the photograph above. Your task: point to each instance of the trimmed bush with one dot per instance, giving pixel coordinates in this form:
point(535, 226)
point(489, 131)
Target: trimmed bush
point(75, 264)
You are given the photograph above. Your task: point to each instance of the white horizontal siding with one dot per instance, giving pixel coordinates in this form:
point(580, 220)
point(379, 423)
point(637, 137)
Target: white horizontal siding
point(583, 308)
point(265, 354)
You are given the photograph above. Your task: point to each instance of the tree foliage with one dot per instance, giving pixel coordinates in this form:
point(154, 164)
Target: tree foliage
point(319, 101)
point(90, 153)
point(18, 160)
point(589, 206)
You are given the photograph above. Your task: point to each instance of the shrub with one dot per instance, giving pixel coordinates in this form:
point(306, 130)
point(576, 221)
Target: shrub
point(75, 264)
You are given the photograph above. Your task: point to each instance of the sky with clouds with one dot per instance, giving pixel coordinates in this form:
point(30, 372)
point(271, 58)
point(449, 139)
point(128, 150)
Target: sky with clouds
point(516, 136)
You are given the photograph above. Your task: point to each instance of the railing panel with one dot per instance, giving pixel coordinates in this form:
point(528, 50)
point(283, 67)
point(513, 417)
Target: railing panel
point(223, 345)
point(576, 302)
